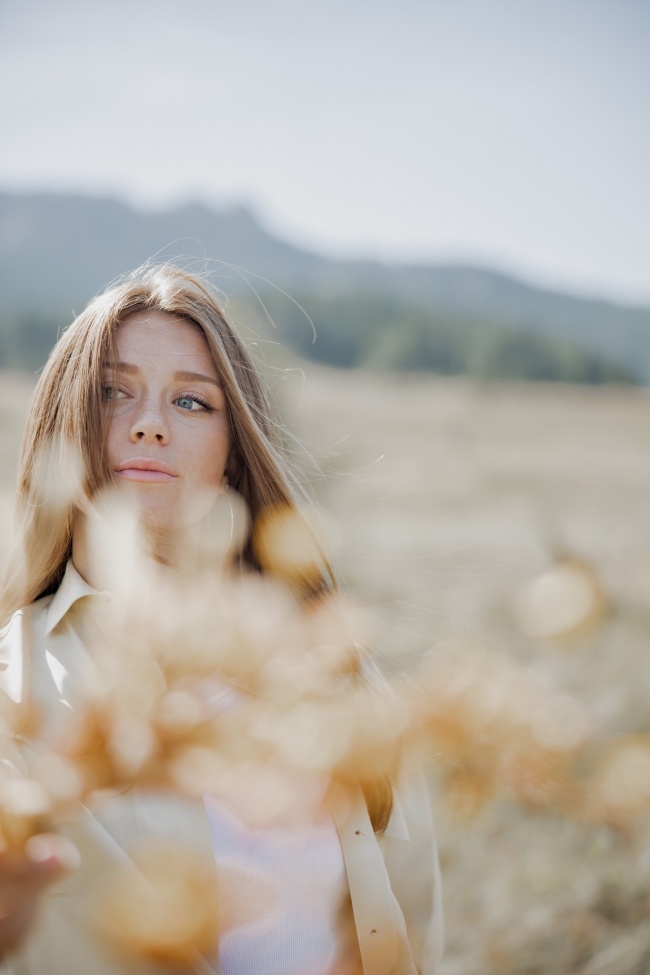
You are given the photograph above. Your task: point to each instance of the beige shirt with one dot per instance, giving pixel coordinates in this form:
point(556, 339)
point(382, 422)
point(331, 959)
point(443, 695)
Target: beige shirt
point(394, 881)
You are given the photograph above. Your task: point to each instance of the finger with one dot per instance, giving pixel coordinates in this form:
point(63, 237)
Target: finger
point(52, 853)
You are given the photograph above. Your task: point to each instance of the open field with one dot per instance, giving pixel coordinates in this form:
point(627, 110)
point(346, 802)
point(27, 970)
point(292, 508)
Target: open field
point(444, 497)
point(451, 496)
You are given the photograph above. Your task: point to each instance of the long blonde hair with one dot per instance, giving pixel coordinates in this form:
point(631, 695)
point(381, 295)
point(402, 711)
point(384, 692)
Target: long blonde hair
point(66, 411)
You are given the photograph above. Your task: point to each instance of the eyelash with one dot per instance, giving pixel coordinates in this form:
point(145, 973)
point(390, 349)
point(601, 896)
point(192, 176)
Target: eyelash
point(108, 387)
point(196, 399)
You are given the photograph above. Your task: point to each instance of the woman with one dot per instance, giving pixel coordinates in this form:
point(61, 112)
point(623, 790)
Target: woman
point(152, 388)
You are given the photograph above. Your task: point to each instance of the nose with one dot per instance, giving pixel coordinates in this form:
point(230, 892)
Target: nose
point(150, 425)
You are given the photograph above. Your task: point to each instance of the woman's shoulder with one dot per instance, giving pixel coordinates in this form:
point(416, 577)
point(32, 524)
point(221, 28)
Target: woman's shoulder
point(43, 614)
point(29, 615)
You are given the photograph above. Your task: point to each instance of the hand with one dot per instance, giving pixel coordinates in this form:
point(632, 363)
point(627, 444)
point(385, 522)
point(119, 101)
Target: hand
point(24, 874)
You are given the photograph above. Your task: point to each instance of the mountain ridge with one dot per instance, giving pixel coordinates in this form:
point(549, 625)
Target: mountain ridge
point(58, 250)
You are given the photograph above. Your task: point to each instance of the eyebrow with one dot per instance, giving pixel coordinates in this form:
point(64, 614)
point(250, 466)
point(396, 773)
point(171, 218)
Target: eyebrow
point(130, 369)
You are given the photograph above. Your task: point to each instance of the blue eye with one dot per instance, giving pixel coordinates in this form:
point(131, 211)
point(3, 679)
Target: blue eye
point(111, 392)
point(192, 404)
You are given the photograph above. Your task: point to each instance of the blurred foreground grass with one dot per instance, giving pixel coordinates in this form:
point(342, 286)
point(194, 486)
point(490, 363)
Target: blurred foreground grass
point(443, 498)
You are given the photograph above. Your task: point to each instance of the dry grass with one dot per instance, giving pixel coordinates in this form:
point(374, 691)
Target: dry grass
point(448, 497)
point(445, 498)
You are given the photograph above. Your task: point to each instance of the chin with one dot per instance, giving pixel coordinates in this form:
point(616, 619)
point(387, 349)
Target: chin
point(168, 516)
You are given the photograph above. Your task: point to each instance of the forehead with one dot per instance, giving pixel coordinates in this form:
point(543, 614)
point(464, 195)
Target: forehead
point(155, 337)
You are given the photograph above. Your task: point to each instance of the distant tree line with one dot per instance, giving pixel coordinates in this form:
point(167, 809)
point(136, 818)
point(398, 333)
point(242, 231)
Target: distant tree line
point(445, 317)
point(368, 331)
point(351, 331)
point(27, 337)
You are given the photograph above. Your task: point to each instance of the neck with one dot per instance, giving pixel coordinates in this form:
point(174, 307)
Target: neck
point(81, 551)
point(162, 547)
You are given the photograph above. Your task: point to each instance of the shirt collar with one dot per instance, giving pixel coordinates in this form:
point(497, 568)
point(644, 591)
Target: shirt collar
point(72, 588)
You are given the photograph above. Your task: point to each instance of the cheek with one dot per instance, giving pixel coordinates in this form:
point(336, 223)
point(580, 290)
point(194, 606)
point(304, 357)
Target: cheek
point(204, 484)
point(118, 440)
point(211, 457)
point(112, 439)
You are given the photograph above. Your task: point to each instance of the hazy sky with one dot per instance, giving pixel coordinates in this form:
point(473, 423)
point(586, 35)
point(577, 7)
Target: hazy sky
point(511, 132)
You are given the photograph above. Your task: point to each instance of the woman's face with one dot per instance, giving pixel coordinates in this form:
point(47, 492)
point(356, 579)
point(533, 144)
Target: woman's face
point(168, 432)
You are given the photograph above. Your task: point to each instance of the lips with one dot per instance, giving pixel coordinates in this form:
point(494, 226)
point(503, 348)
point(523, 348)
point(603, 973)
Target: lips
point(144, 469)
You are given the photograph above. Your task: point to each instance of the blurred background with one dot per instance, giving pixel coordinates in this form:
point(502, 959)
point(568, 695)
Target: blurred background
point(432, 223)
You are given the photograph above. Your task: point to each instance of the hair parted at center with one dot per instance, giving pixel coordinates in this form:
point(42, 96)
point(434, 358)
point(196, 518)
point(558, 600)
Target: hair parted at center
point(67, 411)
